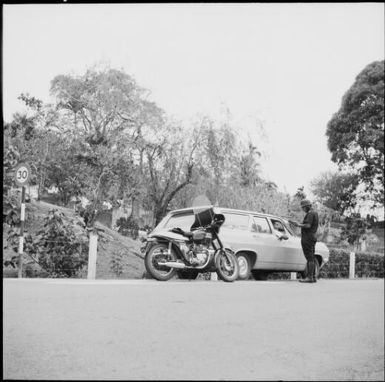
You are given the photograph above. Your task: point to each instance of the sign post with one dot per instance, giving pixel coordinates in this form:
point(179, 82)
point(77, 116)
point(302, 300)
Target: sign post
point(22, 174)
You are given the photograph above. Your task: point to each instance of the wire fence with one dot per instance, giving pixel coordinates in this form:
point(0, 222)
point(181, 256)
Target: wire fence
point(120, 265)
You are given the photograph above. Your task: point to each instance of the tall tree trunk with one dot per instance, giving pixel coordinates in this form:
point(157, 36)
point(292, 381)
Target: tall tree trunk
point(159, 212)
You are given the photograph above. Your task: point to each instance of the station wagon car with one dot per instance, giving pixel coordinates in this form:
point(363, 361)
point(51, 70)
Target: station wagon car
point(263, 243)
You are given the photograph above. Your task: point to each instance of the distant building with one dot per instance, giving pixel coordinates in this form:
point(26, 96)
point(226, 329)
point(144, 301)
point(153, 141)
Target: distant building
point(31, 192)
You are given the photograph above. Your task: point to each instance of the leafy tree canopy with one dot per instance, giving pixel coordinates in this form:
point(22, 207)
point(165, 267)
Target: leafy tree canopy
point(356, 132)
point(100, 103)
point(336, 190)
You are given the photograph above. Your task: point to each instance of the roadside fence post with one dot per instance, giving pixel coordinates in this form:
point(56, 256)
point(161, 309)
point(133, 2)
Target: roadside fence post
point(92, 254)
point(352, 264)
point(214, 276)
point(293, 275)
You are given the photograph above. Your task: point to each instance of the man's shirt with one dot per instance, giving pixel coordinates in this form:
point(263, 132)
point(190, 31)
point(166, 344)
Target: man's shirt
point(310, 218)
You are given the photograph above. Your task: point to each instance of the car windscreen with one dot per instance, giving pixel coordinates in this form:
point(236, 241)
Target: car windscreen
point(289, 228)
point(236, 221)
point(183, 221)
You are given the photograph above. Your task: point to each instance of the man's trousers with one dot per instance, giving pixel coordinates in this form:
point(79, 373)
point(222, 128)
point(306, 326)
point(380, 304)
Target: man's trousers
point(308, 247)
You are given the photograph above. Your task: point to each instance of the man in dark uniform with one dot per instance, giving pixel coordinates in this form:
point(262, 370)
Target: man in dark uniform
point(309, 228)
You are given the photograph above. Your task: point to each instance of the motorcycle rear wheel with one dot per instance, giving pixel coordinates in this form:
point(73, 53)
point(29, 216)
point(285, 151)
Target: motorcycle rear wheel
point(153, 259)
point(227, 266)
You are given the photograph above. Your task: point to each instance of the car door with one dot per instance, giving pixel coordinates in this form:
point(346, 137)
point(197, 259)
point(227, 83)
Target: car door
point(266, 244)
point(235, 231)
point(288, 247)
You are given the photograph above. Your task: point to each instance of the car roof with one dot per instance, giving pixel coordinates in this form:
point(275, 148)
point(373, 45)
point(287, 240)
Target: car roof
point(223, 209)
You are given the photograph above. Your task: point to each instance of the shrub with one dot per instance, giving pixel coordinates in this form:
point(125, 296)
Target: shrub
point(33, 270)
point(10, 273)
point(116, 263)
point(56, 248)
point(61, 252)
point(128, 227)
point(367, 265)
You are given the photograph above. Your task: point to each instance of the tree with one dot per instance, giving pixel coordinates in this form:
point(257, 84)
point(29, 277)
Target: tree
point(63, 169)
point(300, 193)
point(169, 166)
point(355, 229)
point(336, 190)
point(98, 104)
point(35, 134)
point(11, 157)
point(356, 132)
point(219, 150)
point(249, 167)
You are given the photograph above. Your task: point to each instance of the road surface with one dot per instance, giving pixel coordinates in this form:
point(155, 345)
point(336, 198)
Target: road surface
point(197, 330)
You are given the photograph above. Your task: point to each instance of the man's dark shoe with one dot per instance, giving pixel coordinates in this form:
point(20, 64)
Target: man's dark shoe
point(306, 280)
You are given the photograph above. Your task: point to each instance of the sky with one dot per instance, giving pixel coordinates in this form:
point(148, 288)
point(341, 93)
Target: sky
point(281, 69)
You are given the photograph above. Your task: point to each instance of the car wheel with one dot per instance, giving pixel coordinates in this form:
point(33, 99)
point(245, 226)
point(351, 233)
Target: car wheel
point(260, 275)
point(244, 267)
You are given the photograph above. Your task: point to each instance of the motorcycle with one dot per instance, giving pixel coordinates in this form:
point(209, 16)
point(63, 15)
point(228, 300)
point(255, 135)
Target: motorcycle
point(189, 253)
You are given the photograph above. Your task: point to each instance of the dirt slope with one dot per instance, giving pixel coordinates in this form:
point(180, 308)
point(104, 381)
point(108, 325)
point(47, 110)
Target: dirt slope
point(110, 243)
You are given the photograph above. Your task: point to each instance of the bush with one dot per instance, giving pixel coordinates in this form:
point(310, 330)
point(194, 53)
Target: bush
point(10, 273)
point(128, 227)
point(116, 263)
point(57, 250)
point(367, 265)
point(61, 252)
point(33, 270)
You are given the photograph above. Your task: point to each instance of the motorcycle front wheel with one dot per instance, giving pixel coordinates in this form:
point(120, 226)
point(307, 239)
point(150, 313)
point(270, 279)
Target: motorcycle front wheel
point(227, 266)
point(154, 258)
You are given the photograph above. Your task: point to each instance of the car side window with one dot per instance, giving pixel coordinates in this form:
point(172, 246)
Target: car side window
point(260, 225)
point(236, 221)
point(278, 226)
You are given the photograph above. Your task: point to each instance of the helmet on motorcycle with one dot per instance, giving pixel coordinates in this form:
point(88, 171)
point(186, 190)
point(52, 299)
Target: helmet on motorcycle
point(305, 203)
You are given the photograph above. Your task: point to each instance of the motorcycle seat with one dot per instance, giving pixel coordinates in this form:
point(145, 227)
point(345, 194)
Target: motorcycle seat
point(180, 231)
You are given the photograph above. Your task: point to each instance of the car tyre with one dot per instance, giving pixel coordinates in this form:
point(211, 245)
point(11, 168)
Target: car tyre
point(244, 266)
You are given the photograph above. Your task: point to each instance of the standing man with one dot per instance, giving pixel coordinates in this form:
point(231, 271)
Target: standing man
point(309, 228)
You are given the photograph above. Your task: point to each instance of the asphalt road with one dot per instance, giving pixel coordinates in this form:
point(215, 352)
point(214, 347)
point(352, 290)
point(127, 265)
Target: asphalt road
point(197, 330)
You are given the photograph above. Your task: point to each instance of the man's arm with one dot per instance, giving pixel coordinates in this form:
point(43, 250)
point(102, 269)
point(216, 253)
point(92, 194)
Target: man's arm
point(304, 225)
point(307, 222)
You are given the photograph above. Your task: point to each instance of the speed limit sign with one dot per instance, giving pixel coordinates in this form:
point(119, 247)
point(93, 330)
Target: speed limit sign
point(23, 172)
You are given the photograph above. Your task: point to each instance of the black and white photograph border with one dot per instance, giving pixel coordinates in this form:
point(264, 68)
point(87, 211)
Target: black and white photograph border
point(125, 123)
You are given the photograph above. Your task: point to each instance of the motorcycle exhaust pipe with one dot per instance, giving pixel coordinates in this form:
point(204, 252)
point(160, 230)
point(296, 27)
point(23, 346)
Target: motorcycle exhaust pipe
point(173, 264)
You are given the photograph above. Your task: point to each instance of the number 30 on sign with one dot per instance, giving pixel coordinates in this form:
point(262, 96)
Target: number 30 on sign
point(23, 172)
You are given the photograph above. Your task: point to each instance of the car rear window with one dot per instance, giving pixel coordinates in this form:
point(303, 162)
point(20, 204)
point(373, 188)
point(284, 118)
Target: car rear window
point(236, 221)
point(183, 221)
